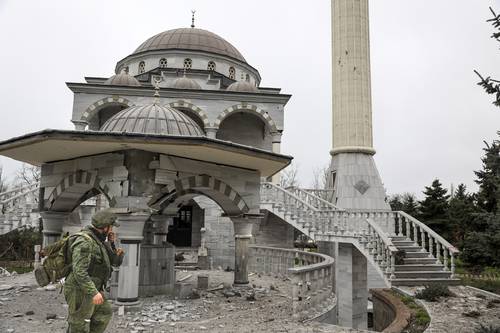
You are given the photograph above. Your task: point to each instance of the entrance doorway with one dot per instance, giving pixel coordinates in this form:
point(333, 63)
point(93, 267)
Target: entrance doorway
point(179, 234)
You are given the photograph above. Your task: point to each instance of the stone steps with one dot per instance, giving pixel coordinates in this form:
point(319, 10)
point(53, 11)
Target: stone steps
point(424, 282)
point(419, 267)
point(411, 254)
point(420, 261)
point(410, 248)
point(422, 275)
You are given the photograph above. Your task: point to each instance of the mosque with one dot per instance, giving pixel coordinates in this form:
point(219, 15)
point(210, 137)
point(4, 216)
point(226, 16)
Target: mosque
point(183, 144)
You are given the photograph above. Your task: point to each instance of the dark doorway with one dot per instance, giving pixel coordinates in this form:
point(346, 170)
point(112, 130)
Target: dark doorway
point(180, 232)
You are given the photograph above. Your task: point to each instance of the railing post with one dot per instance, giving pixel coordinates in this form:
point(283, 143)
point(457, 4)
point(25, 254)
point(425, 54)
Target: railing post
point(408, 228)
point(431, 246)
point(393, 266)
point(438, 252)
point(452, 265)
point(397, 225)
point(445, 258)
point(422, 237)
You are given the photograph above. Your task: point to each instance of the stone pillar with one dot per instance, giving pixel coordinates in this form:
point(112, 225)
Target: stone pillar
point(211, 132)
point(242, 234)
point(52, 226)
point(130, 235)
point(86, 213)
point(79, 125)
point(203, 251)
point(352, 292)
point(160, 227)
point(276, 137)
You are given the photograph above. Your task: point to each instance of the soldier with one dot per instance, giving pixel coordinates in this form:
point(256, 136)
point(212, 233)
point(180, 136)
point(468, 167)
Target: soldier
point(92, 258)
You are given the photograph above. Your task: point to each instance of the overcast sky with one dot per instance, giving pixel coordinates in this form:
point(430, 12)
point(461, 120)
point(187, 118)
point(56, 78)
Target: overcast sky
point(430, 119)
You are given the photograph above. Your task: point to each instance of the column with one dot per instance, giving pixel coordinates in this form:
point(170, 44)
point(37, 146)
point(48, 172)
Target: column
point(276, 139)
point(85, 212)
point(79, 125)
point(130, 236)
point(352, 291)
point(203, 251)
point(211, 132)
point(242, 234)
point(52, 226)
point(160, 227)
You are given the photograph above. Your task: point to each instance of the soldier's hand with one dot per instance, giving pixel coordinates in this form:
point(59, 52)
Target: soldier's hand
point(119, 251)
point(98, 299)
point(111, 237)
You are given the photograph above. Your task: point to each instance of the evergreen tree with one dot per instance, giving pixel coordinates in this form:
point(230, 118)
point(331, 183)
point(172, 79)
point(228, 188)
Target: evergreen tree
point(488, 178)
point(395, 201)
point(410, 204)
point(461, 214)
point(434, 208)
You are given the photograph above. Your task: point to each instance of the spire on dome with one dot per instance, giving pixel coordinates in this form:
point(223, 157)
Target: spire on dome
point(192, 18)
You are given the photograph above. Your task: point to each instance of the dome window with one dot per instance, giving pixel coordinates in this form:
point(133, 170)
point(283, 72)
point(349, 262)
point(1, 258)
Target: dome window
point(142, 67)
point(211, 66)
point(163, 63)
point(125, 69)
point(188, 63)
point(232, 73)
point(247, 78)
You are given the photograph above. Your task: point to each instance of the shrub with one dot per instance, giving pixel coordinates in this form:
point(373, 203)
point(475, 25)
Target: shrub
point(433, 292)
point(422, 318)
point(399, 257)
point(487, 329)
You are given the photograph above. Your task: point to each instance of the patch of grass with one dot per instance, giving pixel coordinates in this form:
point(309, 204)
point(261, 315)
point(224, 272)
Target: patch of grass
point(20, 270)
point(433, 292)
point(487, 329)
point(488, 285)
point(419, 317)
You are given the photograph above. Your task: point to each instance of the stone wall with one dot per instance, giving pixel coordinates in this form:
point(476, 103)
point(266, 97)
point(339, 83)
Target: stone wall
point(389, 313)
point(272, 231)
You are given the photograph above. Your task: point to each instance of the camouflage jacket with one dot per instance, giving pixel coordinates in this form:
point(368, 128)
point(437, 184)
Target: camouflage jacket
point(91, 263)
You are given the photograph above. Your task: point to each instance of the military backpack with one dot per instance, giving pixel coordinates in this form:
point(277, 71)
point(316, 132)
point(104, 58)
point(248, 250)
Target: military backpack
point(57, 262)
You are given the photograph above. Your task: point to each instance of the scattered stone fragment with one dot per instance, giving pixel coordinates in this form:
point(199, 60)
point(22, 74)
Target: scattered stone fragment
point(17, 315)
point(4, 287)
point(251, 297)
point(50, 287)
point(30, 313)
point(51, 316)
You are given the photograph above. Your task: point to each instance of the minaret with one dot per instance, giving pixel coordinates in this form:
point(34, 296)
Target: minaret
point(354, 176)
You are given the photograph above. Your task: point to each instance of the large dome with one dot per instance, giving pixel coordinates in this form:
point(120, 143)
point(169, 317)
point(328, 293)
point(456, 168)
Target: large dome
point(190, 39)
point(152, 119)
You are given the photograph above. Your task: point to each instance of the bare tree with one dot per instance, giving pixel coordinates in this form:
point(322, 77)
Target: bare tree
point(28, 175)
point(320, 177)
point(3, 182)
point(289, 176)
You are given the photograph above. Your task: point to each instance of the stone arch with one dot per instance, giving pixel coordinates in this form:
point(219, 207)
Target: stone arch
point(223, 194)
point(193, 108)
point(93, 109)
point(74, 189)
point(250, 108)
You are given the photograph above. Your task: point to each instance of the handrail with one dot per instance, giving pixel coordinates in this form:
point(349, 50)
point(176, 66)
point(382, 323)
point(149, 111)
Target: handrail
point(19, 188)
point(431, 232)
point(386, 240)
point(6, 201)
point(326, 202)
point(284, 191)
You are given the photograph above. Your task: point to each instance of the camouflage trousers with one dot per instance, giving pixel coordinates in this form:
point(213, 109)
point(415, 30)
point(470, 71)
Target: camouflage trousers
point(83, 315)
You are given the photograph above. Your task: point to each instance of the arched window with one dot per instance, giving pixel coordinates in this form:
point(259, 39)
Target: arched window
point(211, 66)
point(163, 63)
point(142, 67)
point(188, 63)
point(247, 78)
point(232, 73)
point(125, 69)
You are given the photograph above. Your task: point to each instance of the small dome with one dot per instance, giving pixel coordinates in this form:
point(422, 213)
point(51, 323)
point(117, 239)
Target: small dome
point(152, 119)
point(122, 79)
point(242, 86)
point(185, 83)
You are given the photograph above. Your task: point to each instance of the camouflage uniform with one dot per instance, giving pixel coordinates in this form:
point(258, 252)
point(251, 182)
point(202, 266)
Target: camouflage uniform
point(91, 269)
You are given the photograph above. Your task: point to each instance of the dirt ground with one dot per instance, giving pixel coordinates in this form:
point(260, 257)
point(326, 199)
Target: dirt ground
point(264, 306)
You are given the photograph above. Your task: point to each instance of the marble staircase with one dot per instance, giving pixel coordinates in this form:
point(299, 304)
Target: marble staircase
point(379, 235)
